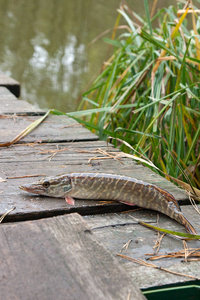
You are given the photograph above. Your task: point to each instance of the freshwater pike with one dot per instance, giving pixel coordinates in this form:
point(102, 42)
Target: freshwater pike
point(99, 186)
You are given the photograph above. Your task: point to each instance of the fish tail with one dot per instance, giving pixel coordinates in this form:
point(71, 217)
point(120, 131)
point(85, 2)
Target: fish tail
point(178, 216)
point(187, 224)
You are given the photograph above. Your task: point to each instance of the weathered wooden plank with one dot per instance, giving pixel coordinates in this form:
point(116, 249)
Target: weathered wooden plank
point(11, 84)
point(115, 230)
point(58, 158)
point(9, 104)
point(53, 129)
point(26, 160)
point(59, 258)
point(19, 107)
point(23, 160)
point(16, 106)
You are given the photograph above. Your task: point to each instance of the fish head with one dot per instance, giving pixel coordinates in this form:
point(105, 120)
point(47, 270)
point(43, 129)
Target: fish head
point(58, 186)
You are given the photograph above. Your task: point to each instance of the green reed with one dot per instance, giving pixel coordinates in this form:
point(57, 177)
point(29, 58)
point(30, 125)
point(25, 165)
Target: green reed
point(148, 92)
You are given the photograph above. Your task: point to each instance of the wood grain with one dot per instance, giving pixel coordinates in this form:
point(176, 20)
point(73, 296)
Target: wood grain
point(9, 104)
point(32, 160)
point(53, 129)
point(59, 258)
point(114, 230)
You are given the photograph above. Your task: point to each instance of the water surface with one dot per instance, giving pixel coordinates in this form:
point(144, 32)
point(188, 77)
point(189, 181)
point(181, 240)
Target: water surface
point(45, 45)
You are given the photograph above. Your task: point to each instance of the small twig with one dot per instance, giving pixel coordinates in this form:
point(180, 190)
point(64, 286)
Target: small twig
point(159, 256)
point(54, 152)
point(190, 11)
point(129, 296)
point(191, 253)
point(143, 263)
point(98, 158)
point(4, 215)
point(126, 246)
point(26, 176)
point(193, 259)
point(6, 117)
point(194, 252)
point(157, 245)
point(70, 125)
point(185, 250)
point(107, 154)
point(36, 143)
point(192, 201)
point(158, 242)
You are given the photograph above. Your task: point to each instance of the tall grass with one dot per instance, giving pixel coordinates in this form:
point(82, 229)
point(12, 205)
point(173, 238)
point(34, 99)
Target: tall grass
point(148, 93)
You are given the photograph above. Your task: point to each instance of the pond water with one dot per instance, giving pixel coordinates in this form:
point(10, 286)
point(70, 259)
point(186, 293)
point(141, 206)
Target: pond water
point(46, 46)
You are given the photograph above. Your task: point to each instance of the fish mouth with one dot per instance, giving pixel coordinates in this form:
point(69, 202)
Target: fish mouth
point(25, 188)
point(22, 187)
point(31, 189)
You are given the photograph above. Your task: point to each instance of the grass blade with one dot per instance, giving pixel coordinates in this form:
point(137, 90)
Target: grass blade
point(26, 131)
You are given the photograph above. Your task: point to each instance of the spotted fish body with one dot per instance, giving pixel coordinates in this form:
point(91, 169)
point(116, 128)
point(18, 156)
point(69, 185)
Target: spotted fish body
point(110, 187)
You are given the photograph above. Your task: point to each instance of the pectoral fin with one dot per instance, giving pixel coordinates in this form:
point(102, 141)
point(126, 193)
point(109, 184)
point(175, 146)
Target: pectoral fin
point(70, 200)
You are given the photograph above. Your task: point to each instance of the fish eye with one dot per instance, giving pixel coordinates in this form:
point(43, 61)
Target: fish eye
point(46, 184)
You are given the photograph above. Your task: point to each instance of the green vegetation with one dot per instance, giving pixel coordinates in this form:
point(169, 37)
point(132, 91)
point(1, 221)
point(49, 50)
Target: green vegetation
point(148, 93)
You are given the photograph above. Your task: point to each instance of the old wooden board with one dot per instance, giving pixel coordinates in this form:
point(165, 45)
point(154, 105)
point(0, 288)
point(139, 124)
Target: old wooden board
point(52, 159)
point(11, 84)
point(59, 258)
point(53, 129)
point(14, 106)
point(115, 230)
point(9, 104)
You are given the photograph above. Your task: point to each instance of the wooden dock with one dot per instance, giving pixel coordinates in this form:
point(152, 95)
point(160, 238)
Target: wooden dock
point(51, 250)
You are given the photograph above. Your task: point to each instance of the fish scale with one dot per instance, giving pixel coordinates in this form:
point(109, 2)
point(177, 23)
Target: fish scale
point(102, 186)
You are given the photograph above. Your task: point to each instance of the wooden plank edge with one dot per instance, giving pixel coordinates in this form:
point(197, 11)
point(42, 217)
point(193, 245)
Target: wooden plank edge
point(68, 242)
point(83, 211)
point(95, 209)
point(25, 113)
point(11, 84)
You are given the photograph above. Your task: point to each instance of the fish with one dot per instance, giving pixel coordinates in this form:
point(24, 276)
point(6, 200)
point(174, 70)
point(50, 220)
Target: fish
point(100, 186)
